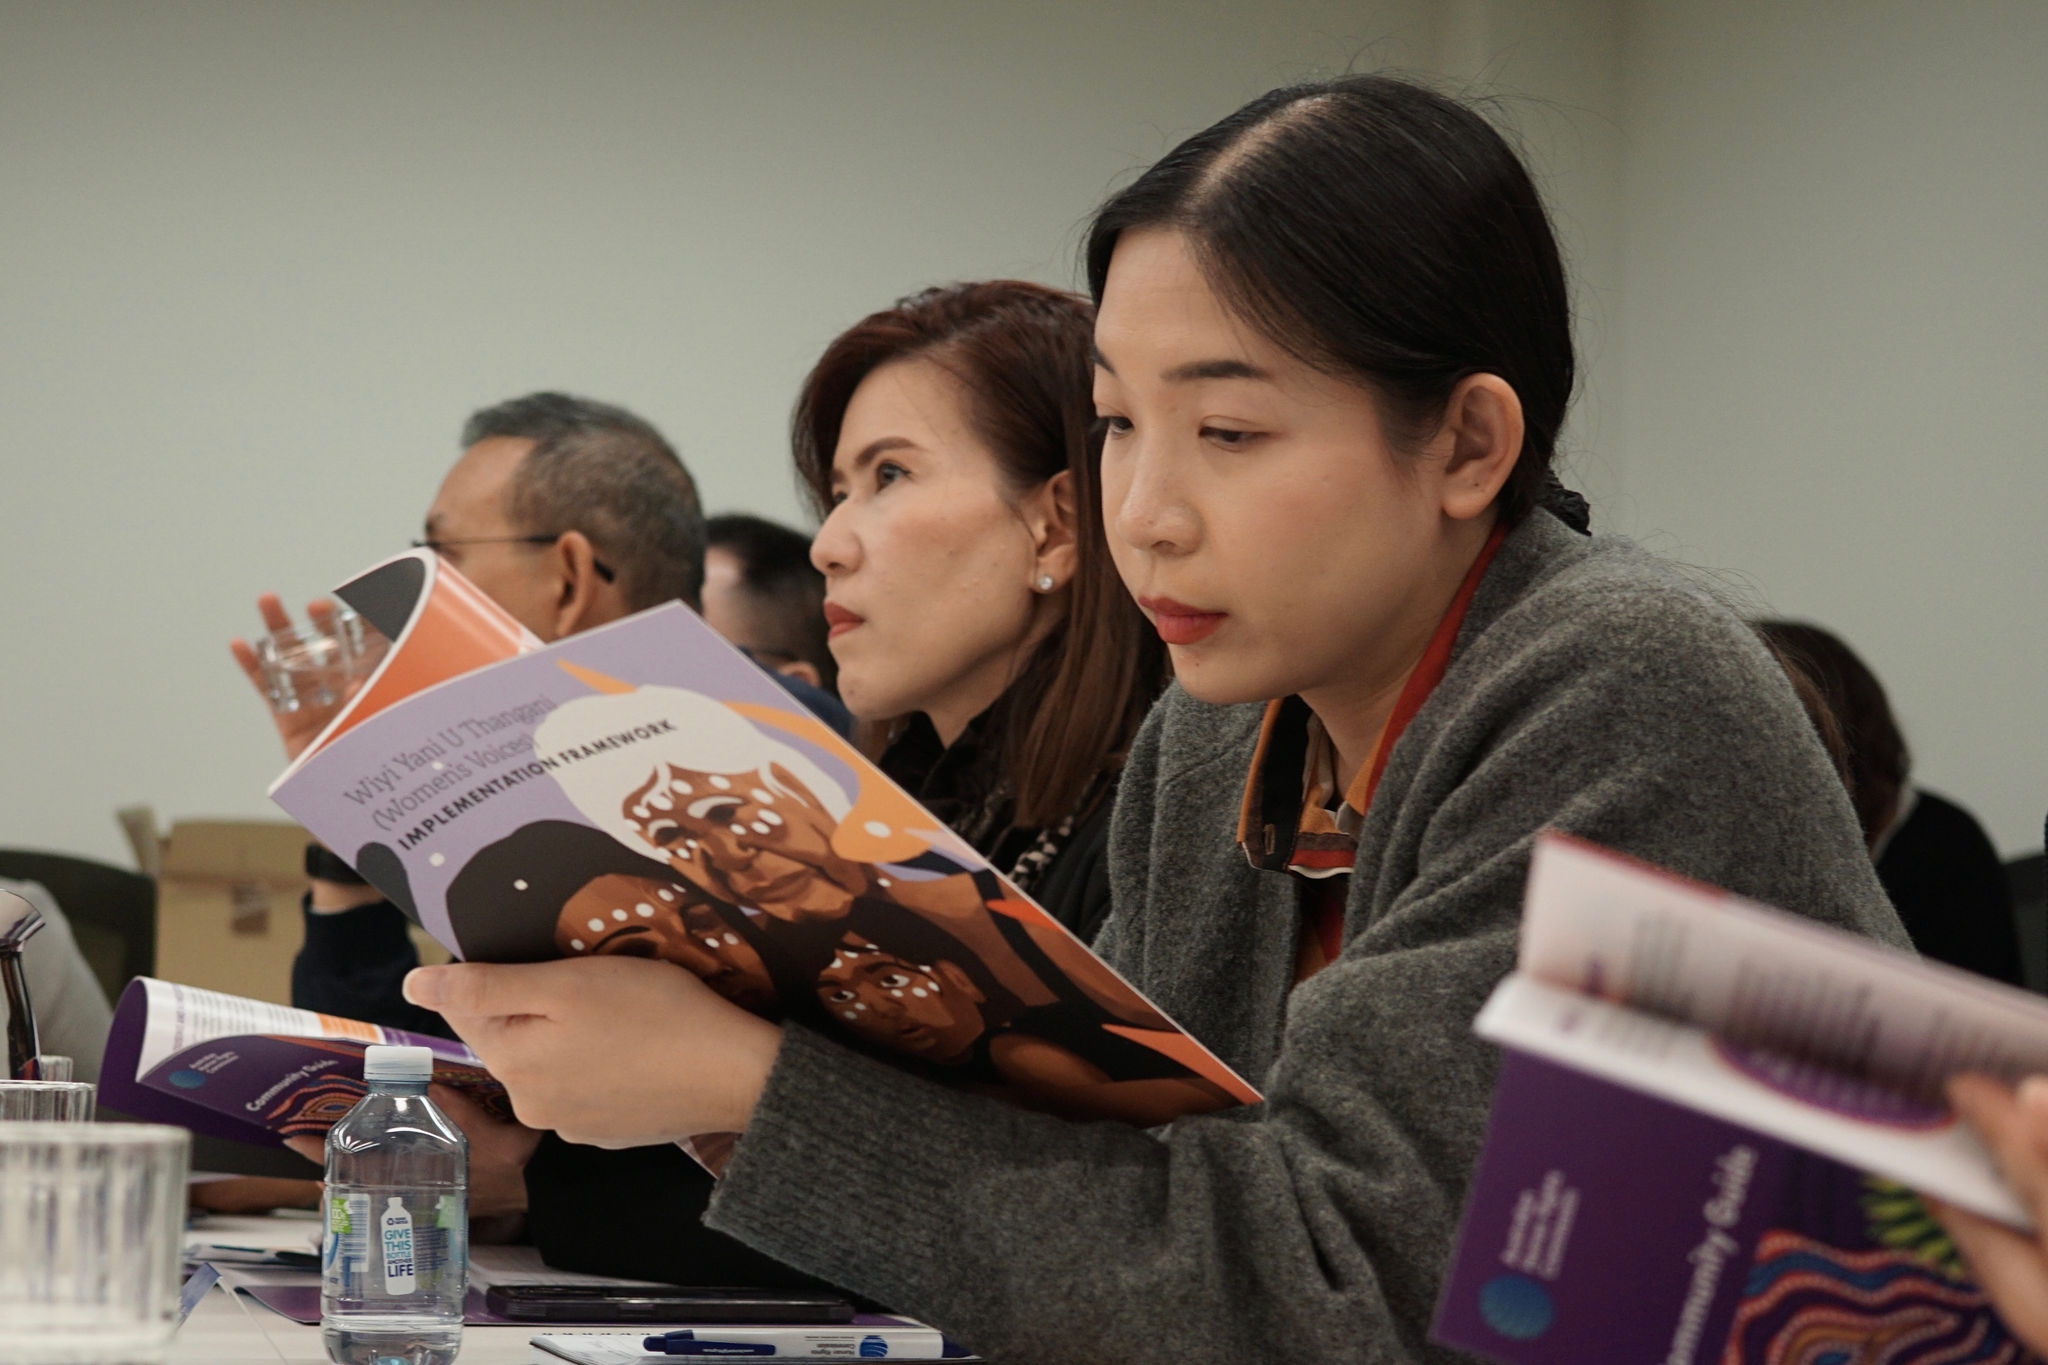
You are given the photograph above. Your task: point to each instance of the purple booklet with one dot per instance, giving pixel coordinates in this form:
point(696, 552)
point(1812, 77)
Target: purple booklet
point(1605, 1225)
point(1710, 1125)
point(250, 1071)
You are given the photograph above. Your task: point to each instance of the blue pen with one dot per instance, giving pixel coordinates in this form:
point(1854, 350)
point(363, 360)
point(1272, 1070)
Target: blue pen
point(687, 1343)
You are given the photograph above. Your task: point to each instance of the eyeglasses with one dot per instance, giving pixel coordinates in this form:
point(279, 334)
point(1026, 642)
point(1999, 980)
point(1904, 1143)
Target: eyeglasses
point(442, 547)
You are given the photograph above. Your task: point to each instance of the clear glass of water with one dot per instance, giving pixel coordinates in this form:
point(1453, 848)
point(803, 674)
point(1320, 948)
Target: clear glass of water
point(46, 1101)
point(318, 664)
point(91, 1232)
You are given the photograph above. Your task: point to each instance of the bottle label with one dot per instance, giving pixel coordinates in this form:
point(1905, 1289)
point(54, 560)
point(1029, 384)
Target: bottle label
point(395, 1229)
point(345, 1253)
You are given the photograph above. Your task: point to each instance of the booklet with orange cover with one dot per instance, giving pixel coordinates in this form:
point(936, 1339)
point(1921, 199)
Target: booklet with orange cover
point(644, 789)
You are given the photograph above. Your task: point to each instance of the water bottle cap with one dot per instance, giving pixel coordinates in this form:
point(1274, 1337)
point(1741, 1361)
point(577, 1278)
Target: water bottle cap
point(383, 1062)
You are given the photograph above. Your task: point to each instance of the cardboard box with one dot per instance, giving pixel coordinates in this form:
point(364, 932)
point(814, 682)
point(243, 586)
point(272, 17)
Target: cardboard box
point(227, 907)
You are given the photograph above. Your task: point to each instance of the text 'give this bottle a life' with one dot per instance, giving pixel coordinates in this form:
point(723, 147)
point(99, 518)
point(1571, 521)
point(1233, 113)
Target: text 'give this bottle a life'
point(394, 1265)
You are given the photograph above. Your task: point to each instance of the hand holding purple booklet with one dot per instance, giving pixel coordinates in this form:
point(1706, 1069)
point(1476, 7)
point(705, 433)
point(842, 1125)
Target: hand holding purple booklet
point(1711, 1123)
point(253, 1072)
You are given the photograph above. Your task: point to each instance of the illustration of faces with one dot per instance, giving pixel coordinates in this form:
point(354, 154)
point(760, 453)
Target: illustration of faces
point(667, 919)
point(759, 839)
point(930, 1010)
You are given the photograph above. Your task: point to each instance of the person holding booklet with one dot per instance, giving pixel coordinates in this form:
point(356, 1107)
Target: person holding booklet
point(569, 514)
point(1332, 360)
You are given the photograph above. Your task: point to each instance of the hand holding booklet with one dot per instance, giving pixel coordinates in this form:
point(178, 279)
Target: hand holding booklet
point(644, 789)
point(254, 1072)
point(1711, 1123)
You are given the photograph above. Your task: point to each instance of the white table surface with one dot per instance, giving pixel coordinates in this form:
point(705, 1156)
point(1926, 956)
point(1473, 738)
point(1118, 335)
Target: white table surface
point(227, 1328)
point(233, 1329)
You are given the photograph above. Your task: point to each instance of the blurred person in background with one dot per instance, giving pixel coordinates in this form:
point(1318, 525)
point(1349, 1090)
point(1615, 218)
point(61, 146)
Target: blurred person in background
point(762, 592)
point(1935, 861)
point(71, 1011)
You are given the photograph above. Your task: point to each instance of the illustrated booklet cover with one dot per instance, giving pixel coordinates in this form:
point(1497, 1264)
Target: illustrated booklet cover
point(644, 789)
point(250, 1071)
point(1711, 1121)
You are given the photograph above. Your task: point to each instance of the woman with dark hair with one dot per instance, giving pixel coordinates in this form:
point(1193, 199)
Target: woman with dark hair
point(1333, 356)
point(980, 630)
point(1936, 863)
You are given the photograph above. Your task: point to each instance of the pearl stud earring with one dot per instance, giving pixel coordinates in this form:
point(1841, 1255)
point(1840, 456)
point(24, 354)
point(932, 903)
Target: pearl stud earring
point(1044, 583)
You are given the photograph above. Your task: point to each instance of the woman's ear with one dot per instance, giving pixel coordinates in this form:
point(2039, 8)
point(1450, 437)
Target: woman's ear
point(1054, 523)
point(1481, 438)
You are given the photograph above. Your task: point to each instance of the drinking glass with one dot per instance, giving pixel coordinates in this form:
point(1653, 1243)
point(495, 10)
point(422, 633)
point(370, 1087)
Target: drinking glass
point(91, 1231)
point(46, 1101)
point(319, 663)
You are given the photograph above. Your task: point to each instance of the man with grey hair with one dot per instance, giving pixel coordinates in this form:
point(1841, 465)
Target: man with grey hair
point(569, 514)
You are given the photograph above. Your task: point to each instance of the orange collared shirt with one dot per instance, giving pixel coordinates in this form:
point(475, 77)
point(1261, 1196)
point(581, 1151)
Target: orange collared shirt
point(1288, 822)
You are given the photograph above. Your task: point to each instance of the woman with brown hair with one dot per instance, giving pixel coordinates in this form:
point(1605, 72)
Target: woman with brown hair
point(982, 635)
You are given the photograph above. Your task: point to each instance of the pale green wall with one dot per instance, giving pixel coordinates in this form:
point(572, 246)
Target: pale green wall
point(258, 261)
point(1835, 331)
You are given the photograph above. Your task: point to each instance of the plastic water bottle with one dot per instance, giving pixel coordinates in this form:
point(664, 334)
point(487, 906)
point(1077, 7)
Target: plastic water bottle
point(394, 1265)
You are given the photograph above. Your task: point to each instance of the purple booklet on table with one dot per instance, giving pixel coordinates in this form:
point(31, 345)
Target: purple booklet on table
point(1710, 1125)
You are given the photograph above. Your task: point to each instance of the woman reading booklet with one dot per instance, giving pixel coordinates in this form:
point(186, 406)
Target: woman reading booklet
point(1333, 358)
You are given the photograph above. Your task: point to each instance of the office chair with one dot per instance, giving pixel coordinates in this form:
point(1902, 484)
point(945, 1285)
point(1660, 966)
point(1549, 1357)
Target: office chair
point(112, 911)
point(2028, 878)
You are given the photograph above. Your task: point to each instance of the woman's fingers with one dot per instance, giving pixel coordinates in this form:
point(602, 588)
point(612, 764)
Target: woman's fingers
point(2015, 1129)
point(245, 657)
point(2008, 1265)
point(478, 990)
point(271, 607)
point(594, 1047)
point(2032, 1096)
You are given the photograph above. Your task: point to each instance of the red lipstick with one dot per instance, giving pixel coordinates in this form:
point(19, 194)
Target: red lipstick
point(1178, 623)
point(840, 620)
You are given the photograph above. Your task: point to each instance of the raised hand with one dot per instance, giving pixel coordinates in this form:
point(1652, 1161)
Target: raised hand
point(296, 729)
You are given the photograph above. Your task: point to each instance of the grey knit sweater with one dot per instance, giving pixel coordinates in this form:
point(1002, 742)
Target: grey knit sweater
point(1592, 689)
